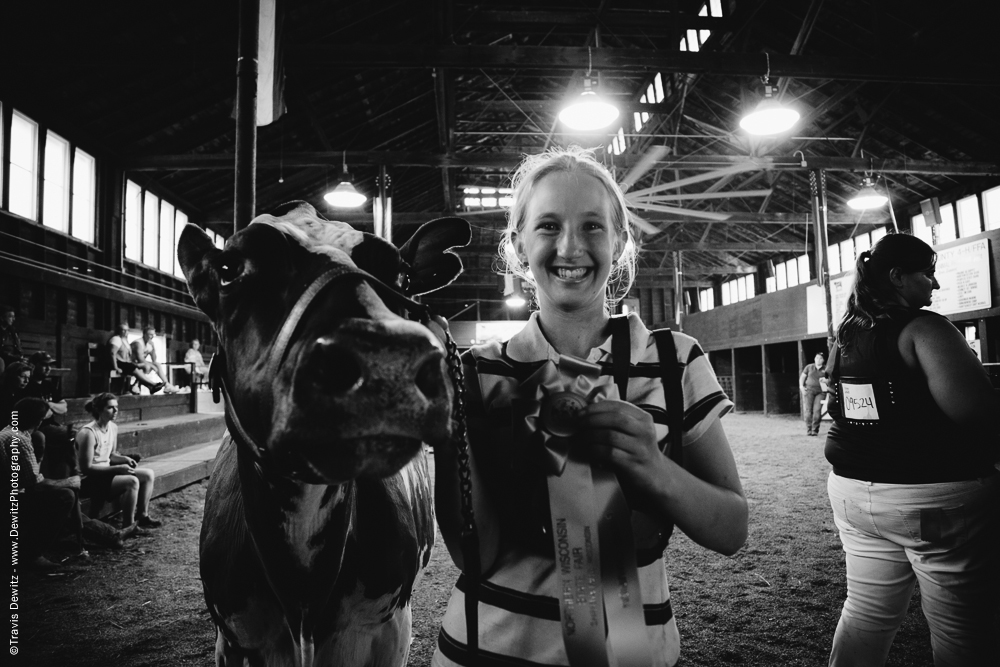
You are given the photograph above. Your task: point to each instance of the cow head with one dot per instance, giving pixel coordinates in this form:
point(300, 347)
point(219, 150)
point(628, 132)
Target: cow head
point(357, 388)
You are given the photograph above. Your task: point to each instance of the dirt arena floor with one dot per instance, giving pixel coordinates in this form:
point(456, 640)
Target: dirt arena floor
point(776, 602)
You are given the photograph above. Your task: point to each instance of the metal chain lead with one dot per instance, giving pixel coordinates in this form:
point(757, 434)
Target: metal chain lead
point(460, 437)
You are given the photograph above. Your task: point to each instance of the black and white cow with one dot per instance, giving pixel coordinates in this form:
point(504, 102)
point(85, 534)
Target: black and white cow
point(318, 517)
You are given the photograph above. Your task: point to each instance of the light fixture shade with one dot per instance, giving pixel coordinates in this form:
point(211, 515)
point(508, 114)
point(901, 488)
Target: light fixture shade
point(868, 197)
point(515, 301)
point(769, 117)
point(345, 196)
point(513, 291)
point(589, 112)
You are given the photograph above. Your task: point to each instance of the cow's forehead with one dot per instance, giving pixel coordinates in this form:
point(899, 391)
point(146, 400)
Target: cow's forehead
point(331, 238)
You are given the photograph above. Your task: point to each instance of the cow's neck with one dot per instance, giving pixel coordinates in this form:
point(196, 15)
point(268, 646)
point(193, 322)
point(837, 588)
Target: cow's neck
point(299, 531)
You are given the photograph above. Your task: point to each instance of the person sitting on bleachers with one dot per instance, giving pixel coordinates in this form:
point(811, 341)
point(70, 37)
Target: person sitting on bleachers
point(193, 356)
point(144, 357)
point(42, 385)
point(10, 343)
point(106, 473)
point(62, 462)
point(121, 360)
point(48, 508)
point(13, 387)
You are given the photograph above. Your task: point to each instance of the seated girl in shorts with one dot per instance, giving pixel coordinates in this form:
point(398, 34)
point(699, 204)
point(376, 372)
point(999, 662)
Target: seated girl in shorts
point(106, 474)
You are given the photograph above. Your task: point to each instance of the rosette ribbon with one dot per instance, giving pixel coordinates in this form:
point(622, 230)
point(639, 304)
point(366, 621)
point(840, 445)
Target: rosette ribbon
point(600, 604)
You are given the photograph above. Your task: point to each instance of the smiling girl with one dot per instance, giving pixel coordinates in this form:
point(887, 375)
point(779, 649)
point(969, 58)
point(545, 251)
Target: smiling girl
point(569, 234)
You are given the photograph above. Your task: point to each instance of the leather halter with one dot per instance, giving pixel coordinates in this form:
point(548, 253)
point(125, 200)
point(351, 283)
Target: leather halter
point(217, 369)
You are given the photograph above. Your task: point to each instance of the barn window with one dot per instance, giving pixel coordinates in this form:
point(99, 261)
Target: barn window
point(84, 188)
point(706, 299)
point(55, 192)
point(180, 219)
point(792, 267)
point(847, 253)
point(703, 35)
point(692, 41)
point(991, 208)
point(862, 242)
point(151, 230)
point(833, 258)
point(968, 216)
point(946, 230)
point(133, 221)
point(22, 196)
point(805, 275)
point(658, 86)
point(877, 233)
point(166, 237)
point(920, 228)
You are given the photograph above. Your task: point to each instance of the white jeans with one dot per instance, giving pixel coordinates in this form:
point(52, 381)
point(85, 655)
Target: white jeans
point(942, 535)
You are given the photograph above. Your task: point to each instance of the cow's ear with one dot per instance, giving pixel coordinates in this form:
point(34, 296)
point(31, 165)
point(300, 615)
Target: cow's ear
point(195, 252)
point(430, 262)
point(378, 257)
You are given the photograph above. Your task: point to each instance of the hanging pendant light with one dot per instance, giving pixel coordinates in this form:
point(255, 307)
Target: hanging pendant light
point(590, 111)
point(770, 116)
point(868, 197)
point(345, 195)
point(513, 291)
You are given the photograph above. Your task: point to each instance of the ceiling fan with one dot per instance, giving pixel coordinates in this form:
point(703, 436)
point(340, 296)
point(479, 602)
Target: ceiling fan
point(659, 198)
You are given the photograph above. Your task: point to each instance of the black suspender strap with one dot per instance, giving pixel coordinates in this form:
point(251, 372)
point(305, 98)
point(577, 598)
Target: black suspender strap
point(670, 373)
point(621, 354)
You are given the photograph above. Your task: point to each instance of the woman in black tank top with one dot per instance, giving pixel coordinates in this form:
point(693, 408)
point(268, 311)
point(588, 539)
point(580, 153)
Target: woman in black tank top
point(913, 488)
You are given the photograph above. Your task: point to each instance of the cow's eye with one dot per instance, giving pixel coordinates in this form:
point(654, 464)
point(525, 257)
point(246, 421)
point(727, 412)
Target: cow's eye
point(229, 271)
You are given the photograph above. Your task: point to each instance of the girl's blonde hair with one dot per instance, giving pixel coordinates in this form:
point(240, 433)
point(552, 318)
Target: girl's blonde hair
point(572, 160)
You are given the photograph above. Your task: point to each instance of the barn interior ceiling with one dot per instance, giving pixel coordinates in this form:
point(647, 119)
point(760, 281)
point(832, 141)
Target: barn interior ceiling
point(448, 95)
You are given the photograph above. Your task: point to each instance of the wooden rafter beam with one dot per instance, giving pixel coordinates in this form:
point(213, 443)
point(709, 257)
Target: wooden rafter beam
point(361, 218)
point(553, 106)
point(731, 246)
point(510, 161)
point(720, 246)
point(610, 19)
point(936, 71)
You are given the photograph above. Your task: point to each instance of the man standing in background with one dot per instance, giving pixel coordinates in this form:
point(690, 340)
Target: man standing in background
point(811, 384)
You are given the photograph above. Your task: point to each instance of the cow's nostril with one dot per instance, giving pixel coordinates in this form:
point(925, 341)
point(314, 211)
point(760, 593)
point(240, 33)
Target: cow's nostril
point(430, 377)
point(335, 368)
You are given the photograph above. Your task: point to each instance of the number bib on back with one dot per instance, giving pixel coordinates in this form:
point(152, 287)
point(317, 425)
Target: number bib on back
point(859, 403)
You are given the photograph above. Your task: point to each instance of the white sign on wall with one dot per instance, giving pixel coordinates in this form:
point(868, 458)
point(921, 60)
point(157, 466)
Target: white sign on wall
point(964, 274)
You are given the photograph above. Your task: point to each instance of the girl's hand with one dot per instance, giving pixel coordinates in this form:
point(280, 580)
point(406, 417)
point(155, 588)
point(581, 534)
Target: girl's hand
point(624, 436)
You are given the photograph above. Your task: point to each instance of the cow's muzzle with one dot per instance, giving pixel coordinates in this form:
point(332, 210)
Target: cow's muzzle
point(366, 396)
